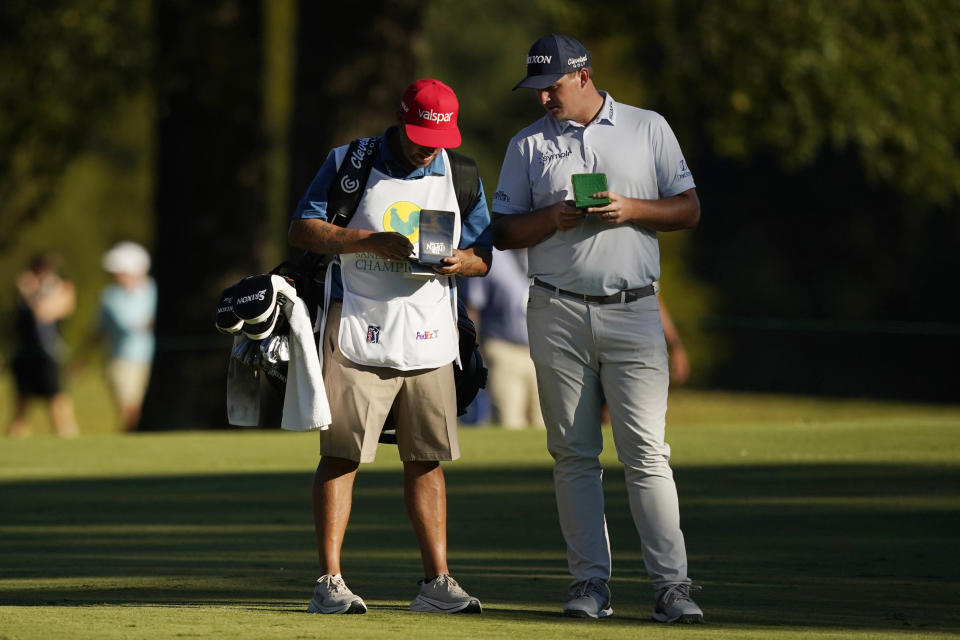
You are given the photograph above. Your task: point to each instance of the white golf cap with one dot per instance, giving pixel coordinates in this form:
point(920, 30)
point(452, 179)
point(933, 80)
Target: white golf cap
point(127, 257)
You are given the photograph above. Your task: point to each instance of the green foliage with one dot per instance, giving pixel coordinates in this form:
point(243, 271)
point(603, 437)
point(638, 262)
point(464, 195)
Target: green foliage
point(63, 69)
point(75, 141)
point(483, 75)
point(797, 77)
point(745, 83)
point(793, 87)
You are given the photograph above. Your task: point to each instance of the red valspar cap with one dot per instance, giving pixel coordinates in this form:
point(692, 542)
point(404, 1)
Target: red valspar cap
point(429, 110)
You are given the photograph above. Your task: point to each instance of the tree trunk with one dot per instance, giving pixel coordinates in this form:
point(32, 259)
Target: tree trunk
point(210, 198)
point(349, 81)
point(212, 223)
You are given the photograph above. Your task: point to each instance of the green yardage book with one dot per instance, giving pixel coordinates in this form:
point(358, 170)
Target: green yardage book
point(587, 184)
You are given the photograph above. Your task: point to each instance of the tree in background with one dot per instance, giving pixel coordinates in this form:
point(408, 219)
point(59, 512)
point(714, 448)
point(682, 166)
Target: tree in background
point(348, 82)
point(210, 196)
point(74, 149)
point(64, 67)
point(824, 140)
point(823, 137)
point(214, 129)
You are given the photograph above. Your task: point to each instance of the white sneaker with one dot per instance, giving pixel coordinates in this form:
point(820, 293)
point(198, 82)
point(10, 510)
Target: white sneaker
point(674, 604)
point(444, 595)
point(331, 595)
point(589, 599)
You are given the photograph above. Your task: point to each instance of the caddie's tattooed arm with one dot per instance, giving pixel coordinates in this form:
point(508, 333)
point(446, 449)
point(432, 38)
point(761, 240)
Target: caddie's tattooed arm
point(319, 236)
point(322, 237)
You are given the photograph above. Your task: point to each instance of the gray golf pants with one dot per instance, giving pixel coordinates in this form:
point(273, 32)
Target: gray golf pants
point(583, 354)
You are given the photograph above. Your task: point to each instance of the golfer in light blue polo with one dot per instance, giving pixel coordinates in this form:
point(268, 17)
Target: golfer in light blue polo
point(593, 319)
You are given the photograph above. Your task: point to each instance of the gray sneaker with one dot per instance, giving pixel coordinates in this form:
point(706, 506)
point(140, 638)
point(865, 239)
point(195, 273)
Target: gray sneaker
point(444, 595)
point(589, 599)
point(331, 595)
point(674, 604)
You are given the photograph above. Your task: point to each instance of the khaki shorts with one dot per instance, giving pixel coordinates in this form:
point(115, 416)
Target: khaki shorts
point(128, 380)
point(424, 405)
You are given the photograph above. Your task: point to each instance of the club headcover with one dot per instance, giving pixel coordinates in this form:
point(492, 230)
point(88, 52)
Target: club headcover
point(227, 321)
point(255, 299)
point(259, 304)
point(260, 330)
point(255, 303)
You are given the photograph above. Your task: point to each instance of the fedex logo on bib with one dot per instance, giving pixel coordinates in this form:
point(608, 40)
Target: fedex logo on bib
point(404, 218)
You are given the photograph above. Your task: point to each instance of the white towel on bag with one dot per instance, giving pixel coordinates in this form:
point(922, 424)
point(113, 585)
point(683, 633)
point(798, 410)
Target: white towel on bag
point(305, 404)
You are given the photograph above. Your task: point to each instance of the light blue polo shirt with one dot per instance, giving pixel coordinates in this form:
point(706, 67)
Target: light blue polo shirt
point(501, 297)
point(127, 317)
point(642, 159)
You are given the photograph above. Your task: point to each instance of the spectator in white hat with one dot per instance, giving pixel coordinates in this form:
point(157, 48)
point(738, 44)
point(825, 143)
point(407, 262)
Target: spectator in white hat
point(128, 309)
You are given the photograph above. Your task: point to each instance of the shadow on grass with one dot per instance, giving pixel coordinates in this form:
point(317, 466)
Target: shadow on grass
point(848, 546)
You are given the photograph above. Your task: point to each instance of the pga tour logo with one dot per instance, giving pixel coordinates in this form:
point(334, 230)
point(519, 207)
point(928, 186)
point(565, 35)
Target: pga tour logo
point(435, 116)
point(373, 334)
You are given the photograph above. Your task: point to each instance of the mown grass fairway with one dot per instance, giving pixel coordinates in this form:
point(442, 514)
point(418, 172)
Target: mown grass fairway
point(803, 518)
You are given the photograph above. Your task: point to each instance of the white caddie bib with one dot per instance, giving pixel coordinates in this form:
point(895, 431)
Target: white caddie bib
point(390, 318)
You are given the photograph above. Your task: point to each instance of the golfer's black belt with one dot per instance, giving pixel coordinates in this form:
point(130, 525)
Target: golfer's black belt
point(629, 295)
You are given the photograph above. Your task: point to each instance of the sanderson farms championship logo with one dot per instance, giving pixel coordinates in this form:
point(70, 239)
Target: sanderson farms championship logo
point(404, 218)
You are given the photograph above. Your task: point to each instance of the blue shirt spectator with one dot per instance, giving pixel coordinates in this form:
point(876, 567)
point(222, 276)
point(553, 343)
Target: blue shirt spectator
point(127, 320)
point(501, 297)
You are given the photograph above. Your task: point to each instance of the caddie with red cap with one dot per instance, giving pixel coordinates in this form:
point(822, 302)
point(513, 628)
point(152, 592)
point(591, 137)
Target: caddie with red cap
point(390, 340)
point(429, 109)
